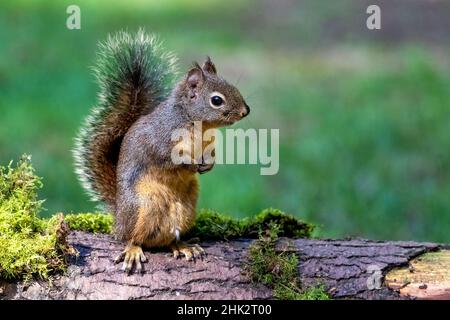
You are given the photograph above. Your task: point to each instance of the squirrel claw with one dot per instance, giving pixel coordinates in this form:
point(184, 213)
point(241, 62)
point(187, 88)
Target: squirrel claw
point(201, 251)
point(132, 255)
point(119, 258)
point(190, 252)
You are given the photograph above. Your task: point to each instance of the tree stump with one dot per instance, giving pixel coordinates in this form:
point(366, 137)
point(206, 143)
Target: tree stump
point(355, 269)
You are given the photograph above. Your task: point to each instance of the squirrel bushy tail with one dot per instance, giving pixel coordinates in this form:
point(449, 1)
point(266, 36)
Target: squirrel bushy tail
point(135, 74)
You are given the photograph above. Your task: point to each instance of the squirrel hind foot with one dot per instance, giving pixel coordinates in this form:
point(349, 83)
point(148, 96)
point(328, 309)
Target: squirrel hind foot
point(190, 252)
point(132, 255)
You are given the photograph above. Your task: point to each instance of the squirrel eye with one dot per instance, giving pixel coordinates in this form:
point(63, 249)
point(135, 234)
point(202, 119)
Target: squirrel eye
point(216, 101)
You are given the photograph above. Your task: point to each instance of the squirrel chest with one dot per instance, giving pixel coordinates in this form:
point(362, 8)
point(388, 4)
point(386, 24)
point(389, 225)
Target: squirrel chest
point(167, 202)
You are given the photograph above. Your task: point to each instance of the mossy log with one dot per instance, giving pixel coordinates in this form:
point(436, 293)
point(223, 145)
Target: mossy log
point(355, 269)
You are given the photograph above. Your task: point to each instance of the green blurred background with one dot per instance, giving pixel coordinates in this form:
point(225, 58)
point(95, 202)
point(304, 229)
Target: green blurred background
point(363, 115)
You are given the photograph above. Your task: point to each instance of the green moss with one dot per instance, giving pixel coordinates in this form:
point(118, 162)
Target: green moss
point(90, 222)
point(209, 225)
point(29, 245)
point(288, 225)
point(278, 270)
point(311, 293)
point(213, 225)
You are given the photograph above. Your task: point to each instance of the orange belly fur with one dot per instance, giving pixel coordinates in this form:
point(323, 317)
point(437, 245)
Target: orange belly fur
point(167, 201)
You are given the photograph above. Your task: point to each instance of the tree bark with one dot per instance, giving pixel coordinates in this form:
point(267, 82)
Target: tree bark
point(347, 269)
point(356, 269)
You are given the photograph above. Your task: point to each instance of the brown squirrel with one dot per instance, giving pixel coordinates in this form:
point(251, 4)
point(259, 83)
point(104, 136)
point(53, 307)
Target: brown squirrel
point(123, 151)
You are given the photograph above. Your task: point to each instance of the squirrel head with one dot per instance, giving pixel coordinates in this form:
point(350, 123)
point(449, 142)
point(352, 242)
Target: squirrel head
point(210, 98)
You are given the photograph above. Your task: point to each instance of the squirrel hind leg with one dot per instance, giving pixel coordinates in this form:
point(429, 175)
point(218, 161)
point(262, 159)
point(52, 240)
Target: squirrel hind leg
point(132, 255)
point(190, 252)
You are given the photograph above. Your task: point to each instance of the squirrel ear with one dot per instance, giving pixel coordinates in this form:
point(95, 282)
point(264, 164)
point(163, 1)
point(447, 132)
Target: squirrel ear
point(194, 80)
point(209, 66)
point(195, 76)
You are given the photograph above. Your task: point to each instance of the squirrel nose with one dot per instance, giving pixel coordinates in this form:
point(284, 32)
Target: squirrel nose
point(246, 112)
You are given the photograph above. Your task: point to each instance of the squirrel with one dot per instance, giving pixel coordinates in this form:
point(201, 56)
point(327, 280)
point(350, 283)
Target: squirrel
point(123, 150)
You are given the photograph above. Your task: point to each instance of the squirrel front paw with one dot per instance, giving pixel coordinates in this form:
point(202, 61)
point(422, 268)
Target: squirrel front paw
point(132, 254)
